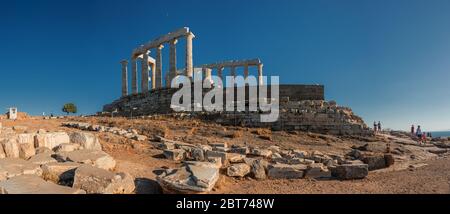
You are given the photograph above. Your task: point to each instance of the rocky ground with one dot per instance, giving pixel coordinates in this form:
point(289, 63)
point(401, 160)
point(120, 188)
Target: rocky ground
point(175, 154)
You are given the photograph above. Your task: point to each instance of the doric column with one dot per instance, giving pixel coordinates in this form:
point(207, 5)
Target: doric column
point(158, 78)
point(260, 74)
point(207, 75)
point(144, 73)
point(233, 71)
point(245, 71)
point(124, 78)
point(153, 76)
point(189, 60)
point(134, 88)
point(220, 72)
point(172, 60)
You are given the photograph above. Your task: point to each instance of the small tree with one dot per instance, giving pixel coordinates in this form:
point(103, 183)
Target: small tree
point(69, 108)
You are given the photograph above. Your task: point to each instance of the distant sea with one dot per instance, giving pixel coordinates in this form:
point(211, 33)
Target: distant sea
point(441, 134)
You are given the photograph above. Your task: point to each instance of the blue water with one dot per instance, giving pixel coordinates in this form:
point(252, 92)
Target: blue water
point(441, 134)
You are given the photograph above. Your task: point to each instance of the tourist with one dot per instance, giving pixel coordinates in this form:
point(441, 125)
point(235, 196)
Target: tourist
point(412, 130)
point(424, 137)
point(419, 133)
point(379, 126)
point(375, 126)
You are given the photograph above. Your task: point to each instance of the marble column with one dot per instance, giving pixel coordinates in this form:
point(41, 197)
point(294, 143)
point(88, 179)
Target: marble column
point(207, 76)
point(153, 76)
point(134, 87)
point(233, 71)
point(220, 72)
point(172, 60)
point(260, 74)
point(158, 77)
point(245, 71)
point(189, 60)
point(124, 78)
point(144, 73)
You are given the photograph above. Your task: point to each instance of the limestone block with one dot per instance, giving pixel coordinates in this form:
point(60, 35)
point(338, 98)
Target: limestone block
point(99, 181)
point(11, 148)
point(284, 171)
point(238, 170)
point(11, 167)
point(67, 147)
point(42, 158)
point(59, 172)
point(258, 169)
point(95, 158)
point(174, 154)
point(85, 140)
point(222, 155)
point(32, 184)
point(51, 140)
point(350, 171)
point(2, 152)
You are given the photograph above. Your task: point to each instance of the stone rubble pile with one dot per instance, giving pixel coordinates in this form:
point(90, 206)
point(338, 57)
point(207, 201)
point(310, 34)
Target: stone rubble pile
point(130, 133)
point(58, 163)
point(258, 163)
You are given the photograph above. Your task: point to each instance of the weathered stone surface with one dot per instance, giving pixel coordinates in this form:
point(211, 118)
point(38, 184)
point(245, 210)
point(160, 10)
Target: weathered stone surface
point(222, 155)
point(284, 171)
point(42, 158)
point(240, 150)
point(317, 170)
point(40, 150)
point(258, 169)
point(67, 147)
point(217, 161)
point(174, 154)
point(261, 152)
point(58, 172)
point(375, 162)
point(235, 158)
point(2, 152)
point(86, 140)
point(350, 171)
point(238, 170)
point(51, 140)
point(93, 157)
point(11, 148)
point(96, 180)
point(20, 128)
point(11, 167)
point(198, 154)
point(26, 150)
point(389, 159)
point(32, 184)
point(274, 149)
point(300, 153)
point(139, 137)
point(192, 178)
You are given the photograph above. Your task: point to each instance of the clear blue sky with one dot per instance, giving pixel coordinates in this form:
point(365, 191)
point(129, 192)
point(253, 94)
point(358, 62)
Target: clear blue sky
point(388, 60)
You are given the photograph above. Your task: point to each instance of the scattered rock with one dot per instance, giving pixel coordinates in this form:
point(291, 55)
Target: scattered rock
point(317, 170)
point(389, 159)
point(100, 181)
point(59, 172)
point(67, 147)
point(174, 154)
point(261, 152)
point(11, 167)
point(42, 158)
point(350, 171)
point(191, 178)
point(93, 157)
point(20, 128)
point(40, 150)
point(11, 148)
point(51, 140)
point(235, 158)
point(257, 169)
point(285, 171)
point(437, 151)
point(238, 170)
point(222, 155)
point(240, 150)
point(2, 152)
point(375, 162)
point(32, 184)
point(86, 140)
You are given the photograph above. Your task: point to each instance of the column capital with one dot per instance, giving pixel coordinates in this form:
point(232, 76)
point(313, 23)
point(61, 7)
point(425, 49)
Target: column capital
point(190, 35)
point(173, 42)
point(124, 62)
point(160, 47)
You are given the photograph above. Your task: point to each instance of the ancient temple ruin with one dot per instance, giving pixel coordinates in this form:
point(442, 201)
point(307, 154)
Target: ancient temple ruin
point(302, 107)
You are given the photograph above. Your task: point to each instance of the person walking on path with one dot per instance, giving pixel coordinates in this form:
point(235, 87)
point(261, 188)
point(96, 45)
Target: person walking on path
point(412, 130)
point(374, 126)
point(379, 126)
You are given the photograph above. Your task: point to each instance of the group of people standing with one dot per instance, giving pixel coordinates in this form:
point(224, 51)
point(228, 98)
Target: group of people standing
point(377, 126)
point(422, 136)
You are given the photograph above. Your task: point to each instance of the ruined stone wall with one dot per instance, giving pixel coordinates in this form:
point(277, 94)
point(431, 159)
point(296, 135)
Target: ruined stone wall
point(302, 107)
